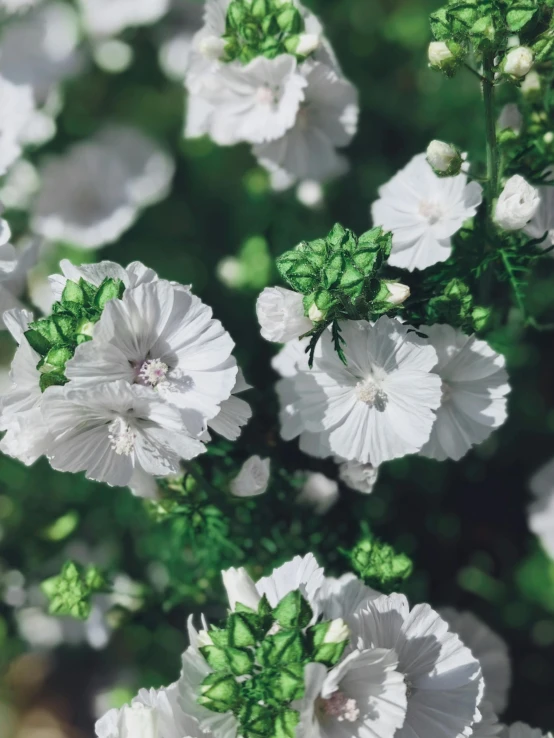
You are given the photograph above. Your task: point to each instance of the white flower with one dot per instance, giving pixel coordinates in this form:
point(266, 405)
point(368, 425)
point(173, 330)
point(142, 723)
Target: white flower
point(110, 17)
point(17, 104)
point(518, 62)
point(510, 117)
point(14, 266)
point(19, 185)
point(541, 512)
point(442, 156)
point(439, 53)
point(211, 47)
point(163, 338)
point(111, 430)
point(488, 726)
point(253, 478)
point(474, 389)
point(308, 43)
point(522, 730)
point(40, 49)
point(362, 696)
point(424, 211)
point(361, 477)
point(399, 293)
point(27, 437)
point(377, 407)
point(258, 102)
point(17, 6)
point(92, 194)
point(489, 649)
point(326, 121)
point(444, 681)
point(132, 276)
point(517, 204)
point(543, 221)
point(302, 572)
point(281, 315)
point(152, 714)
point(319, 492)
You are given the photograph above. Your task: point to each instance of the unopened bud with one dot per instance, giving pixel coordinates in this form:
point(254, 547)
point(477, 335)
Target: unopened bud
point(518, 62)
point(398, 293)
point(439, 54)
point(290, 20)
point(531, 85)
point(444, 159)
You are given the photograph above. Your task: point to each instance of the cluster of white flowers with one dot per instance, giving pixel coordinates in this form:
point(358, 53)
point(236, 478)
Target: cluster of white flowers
point(136, 396)
point(296, 108)
point(405, 670)
point(90, 195)
point(397, 394)
point(39, 49)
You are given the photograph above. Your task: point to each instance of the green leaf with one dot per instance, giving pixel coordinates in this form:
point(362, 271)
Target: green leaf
point(293, 611)
point(519, 16)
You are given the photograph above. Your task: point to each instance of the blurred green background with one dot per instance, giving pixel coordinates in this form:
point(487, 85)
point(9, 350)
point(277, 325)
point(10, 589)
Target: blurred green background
point(464, 524)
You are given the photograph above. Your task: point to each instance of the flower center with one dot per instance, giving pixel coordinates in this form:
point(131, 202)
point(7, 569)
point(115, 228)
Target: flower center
point(265, 95)
point(370, 392)
point(151, 372)
point(341, 707)
point(432, 211)
point(446, 392)
point(122, 437)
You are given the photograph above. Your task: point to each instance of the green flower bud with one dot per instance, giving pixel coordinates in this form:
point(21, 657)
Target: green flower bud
point(446, 56)
point(285, 647)
point(259, 9)
point(379, 564)
point(250, 32)
point(481, 317)
point(219, 692)
point(293, 611)
point(236, 14)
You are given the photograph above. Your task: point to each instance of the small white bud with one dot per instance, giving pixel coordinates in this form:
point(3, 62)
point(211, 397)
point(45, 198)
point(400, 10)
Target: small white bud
point(211, 47)
point(253, 478)
point(319, 492)
point(439, 54)
point(307, 43)
point(315, 314)
point(338, 632)
point(138, 721)
point(531, 84)
point(399, 293)
point(444, 159)
point(518, 62)
point(310, 193)
point(281, 315)
point(517, 204)
point(240, 588)
point(548, 137)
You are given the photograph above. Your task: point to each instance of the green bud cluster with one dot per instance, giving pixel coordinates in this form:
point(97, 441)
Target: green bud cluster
point(258, 659)
point(340, 273)
point(262, 28)
point(55, 338)
point(70, 592)
point(485, 26)
point(379, 565)
point(456, 307)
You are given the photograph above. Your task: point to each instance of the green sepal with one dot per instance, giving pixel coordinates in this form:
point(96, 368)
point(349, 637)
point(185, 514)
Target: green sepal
point(73, 293)
point(293, 611)
point(48, 330)
point(55, 360)
point(243, 629)
point(285, 647)
point(286, 723)
point(236, 660)
point(256, 721)
point(110, 289)
point(65, 324)
point(215, 657)
point(37, 341)
point(219, 693)
point(289, 20)
point(53, 379)
point(219, 636)
point(289, 685)
point(333, 271)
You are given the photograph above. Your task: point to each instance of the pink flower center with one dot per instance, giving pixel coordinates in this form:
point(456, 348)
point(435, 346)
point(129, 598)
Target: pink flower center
point(431, 211)
point(265, 95)
point(151, 372)
point(341, 707)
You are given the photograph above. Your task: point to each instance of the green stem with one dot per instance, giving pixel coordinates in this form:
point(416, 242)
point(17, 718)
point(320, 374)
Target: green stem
point(490, 126)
